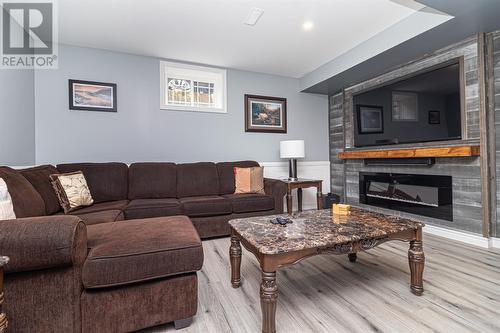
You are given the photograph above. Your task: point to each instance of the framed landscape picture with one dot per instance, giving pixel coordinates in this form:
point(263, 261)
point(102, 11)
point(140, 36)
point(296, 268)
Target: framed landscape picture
point(265, 114)
point(92, 96)
point(370, 119)
point(434, 117)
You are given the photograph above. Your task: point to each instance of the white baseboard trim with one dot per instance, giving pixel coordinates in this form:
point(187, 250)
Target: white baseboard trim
point(284, 164)
point(462, 236)
point(494, 243)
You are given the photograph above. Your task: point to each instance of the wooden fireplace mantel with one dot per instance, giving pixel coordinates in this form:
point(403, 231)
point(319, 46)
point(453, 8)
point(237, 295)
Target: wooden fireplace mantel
point(448, 151)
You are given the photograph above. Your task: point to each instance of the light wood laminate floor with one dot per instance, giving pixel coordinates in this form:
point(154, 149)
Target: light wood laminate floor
point(330, 294)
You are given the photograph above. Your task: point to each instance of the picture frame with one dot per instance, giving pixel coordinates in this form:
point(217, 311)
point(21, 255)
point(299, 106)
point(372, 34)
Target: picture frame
point(92, 96)
point(370, 119)
point(434, 117)
point(265, 114)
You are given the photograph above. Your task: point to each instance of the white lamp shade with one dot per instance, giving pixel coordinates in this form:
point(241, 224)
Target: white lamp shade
point(292, 149)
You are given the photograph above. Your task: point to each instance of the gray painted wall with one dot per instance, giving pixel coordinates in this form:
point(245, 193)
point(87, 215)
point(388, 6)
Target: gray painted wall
point(17, 117)
point(141, 131)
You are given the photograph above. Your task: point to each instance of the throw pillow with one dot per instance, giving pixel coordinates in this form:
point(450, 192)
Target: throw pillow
point(249, 180)
point(6, 207)
point(71, 190)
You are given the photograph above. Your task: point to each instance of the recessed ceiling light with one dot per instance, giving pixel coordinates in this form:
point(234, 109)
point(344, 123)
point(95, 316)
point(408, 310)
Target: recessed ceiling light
point(308, 25)
point(254, 16)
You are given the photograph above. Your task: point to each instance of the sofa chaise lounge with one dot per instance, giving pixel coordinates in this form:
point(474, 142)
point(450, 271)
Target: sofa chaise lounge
point(127, 262)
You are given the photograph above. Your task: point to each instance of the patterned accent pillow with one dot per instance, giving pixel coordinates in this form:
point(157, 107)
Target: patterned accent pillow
point(71, 190)
point(6, 206)
point(249, 180)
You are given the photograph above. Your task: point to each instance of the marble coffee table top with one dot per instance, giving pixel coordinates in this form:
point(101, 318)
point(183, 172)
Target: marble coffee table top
point(318, 228)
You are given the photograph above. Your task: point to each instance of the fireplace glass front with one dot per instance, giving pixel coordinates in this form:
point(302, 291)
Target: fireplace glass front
point(426, 195)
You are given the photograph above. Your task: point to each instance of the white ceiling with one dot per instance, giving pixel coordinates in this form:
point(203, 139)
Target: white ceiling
point(212, 31)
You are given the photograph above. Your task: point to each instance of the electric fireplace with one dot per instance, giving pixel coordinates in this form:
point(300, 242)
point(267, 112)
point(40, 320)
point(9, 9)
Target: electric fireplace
point(426, 195)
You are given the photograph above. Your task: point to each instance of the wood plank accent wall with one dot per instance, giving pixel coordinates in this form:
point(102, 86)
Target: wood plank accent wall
point(496, 103)
point(466, 49)
point(336, 128)
point(466, 172)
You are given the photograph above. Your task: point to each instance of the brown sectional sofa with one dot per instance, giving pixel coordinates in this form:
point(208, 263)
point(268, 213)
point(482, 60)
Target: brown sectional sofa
point(130, 260)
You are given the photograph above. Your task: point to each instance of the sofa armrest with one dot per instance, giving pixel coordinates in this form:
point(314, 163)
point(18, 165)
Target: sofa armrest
point(43, 242)
point(277, 189)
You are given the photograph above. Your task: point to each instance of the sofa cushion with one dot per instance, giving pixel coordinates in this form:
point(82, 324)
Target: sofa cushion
point(26, 200)
point(197, 179)
point(139, 250)
point(244, 203)
point(152, 180)
point(249, 180)
point(102, 216)
point(6, 206)
point(107, 181)
point(71, 190)
point(225, 171)
point(39, 177)
point(146, 208)
point(205, 206)
point(102, 206)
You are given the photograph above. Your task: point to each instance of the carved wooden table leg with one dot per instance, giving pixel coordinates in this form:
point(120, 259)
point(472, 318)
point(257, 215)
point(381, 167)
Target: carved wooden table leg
point(235, 256)
point(289, 204)
point(416, 259)
point(352, 257)
point(3, 318)
point(268, 297)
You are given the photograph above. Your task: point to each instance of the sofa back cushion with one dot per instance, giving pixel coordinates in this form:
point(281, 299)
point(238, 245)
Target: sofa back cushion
point(106, 181)
point(152, 181)
point(39, 177)
point(225, 171)
point(196, 179)
point(26, 200)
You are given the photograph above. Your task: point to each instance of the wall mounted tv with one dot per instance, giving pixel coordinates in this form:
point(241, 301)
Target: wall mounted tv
point(423, 108)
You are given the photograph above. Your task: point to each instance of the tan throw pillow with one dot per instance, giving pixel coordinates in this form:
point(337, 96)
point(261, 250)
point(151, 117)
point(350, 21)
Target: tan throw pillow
point(6, 207)
point(71, 190)
point(249, 180)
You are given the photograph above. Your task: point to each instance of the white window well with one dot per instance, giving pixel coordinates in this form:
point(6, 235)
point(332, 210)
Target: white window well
point(192, 88)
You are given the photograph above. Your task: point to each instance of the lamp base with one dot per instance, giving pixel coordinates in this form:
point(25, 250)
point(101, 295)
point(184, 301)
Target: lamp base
point(292, 170)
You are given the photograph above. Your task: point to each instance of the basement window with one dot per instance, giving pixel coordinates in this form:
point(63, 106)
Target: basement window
point(404, 106)
point(192, 88)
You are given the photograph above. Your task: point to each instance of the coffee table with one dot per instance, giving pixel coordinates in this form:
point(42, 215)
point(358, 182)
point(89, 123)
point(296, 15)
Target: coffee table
point(317, 232)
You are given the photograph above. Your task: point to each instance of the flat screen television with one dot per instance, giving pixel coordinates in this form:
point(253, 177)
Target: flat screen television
point(423, 108)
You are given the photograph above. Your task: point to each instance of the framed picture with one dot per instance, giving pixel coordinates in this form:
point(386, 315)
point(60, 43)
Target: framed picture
point(434, 117)
point(265, 114)
point(92, 96)
point(370, 119)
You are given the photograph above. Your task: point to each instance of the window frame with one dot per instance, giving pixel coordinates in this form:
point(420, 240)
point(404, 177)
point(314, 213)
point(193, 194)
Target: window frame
point(193, 73)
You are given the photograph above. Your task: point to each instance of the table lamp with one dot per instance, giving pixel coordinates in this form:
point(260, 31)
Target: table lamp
point(292, 149)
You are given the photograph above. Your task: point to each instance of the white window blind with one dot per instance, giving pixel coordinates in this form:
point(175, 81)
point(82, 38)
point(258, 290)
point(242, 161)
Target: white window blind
point(404, 106)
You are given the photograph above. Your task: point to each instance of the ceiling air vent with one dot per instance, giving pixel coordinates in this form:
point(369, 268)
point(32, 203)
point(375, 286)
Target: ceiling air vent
point(253, 16)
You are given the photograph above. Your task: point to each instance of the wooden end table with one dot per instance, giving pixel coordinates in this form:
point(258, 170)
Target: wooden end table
point(316, 232)
point(299, 185)
point(3, 317)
